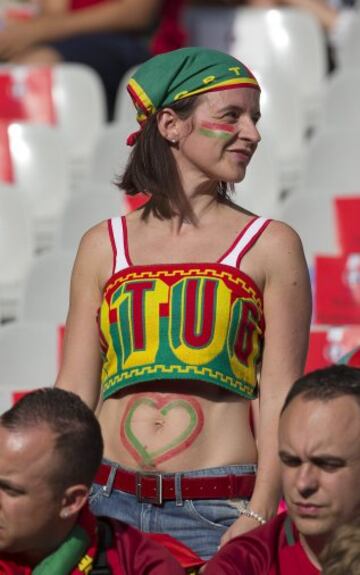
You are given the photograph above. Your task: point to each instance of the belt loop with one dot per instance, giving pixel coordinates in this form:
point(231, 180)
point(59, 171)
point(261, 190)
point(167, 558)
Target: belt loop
point(107, 489)
point(178, 490)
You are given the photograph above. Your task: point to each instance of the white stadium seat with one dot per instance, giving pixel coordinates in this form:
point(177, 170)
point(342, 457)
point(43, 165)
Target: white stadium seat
point(41, 171)
point(29, 357)
point(46, 288)
point(16, 248)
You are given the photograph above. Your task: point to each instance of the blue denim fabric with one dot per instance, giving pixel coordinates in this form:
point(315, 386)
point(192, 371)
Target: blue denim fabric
point(197, 523)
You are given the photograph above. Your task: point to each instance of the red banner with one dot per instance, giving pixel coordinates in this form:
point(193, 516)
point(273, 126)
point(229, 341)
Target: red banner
point(347, 211)
point(6, 168)
point(26, 95)
point(337, 294)
point(329, 345)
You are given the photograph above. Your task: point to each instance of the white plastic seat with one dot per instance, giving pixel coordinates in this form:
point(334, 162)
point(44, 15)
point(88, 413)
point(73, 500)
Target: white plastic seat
point(41, 170)
point(16, 248)
point(80, 106)
point(288, 40)
point(312, 215)
point(349, 50)
point(125, 112)
point(46, 288)
point(84, 211)
point(110, 154)
point(340, 108)
point(280, 106)
point(332, 163)
point(29, 355)
point(259, 192)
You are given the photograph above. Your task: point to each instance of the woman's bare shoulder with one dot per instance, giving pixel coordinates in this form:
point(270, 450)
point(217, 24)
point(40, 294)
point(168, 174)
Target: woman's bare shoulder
point(281, 252)
point(95, 238)
point(94, 257)
point(280, 234)
point(276, 231)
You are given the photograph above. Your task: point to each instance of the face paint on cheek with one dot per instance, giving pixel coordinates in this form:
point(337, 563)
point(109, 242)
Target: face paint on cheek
point(217, 130)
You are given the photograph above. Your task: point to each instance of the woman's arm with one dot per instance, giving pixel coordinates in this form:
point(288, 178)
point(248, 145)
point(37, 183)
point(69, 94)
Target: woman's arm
point(287, 309)
point(118, 15)
point(56, 22)
point(81, 364)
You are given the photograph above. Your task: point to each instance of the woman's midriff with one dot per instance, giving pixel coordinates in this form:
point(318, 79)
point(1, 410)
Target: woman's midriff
point(181, 426)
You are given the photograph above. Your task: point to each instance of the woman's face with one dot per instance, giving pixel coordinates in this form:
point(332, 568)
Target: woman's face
point(218, 140)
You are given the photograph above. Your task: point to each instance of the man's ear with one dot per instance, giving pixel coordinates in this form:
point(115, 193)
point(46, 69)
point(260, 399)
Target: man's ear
point(73, 500)
point(169, 125)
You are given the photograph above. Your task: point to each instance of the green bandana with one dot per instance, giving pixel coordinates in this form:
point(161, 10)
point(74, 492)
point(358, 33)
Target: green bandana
point(169, 77)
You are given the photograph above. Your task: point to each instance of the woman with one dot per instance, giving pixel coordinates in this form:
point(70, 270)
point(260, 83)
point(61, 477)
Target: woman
point(183, 286)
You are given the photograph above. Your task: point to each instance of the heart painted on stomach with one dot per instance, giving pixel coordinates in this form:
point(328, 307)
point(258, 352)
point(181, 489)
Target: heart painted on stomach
point(163, 406)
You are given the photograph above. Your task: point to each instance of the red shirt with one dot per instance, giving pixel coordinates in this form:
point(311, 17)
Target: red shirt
point(131, 553)
point(272, 549)
point(168, 36)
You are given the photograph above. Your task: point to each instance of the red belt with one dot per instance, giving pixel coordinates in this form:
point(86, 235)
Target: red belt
point(157, 487)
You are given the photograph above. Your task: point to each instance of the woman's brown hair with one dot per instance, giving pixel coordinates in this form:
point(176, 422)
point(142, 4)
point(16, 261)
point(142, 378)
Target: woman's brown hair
point(152, 169)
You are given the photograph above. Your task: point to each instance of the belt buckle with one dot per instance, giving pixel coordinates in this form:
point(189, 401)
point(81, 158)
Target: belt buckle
point(156, 499)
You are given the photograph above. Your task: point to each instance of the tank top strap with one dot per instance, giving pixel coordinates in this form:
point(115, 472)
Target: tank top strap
point(246, 239)
point(118, 239)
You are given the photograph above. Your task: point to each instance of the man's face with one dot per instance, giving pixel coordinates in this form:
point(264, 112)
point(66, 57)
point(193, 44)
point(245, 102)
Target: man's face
point(29, 509)
point(319, 446)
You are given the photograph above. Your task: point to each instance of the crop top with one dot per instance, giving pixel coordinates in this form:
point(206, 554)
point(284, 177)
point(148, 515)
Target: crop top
point(187, 322)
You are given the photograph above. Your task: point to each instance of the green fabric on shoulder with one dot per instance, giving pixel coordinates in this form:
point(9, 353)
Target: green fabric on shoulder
point(67, 556)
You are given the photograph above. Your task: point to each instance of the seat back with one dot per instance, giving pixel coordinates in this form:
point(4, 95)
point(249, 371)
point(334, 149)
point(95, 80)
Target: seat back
point(84, 211)
point(29, 356)
point(312, 215)
point(340, 108)
point(110, 153)
point(275, 37)
point(46, 288)
point(125, 112)
point(265, 38)
point(80, 106)
point(41, 170)
point(280, 105)
point(331, 163)
point(259, 192)
point(16, 248)
point(349, 50)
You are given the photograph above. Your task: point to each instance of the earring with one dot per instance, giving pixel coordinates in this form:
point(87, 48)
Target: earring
point(173, 140)
point(65, 513)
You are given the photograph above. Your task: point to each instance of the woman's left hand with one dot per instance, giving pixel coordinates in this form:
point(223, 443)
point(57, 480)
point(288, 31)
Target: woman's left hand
point(240, 526)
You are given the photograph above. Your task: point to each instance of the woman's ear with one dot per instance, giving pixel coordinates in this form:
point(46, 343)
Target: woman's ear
point(169, 125)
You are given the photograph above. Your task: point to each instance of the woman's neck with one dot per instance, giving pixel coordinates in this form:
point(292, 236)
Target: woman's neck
point(204, 208)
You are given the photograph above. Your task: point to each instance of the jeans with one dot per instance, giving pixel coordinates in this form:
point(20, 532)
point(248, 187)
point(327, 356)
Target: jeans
point(198, 523)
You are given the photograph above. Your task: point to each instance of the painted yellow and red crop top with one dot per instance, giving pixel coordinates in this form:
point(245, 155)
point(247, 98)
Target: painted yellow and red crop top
point(181, 321)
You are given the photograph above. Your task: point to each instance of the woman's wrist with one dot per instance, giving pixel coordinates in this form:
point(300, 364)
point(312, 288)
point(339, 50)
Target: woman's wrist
point(266, 508)
point(249, 512)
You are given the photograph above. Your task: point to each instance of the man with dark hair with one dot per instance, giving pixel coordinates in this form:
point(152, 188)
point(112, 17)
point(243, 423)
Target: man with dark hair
point(319, 449)
point(50, 449)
